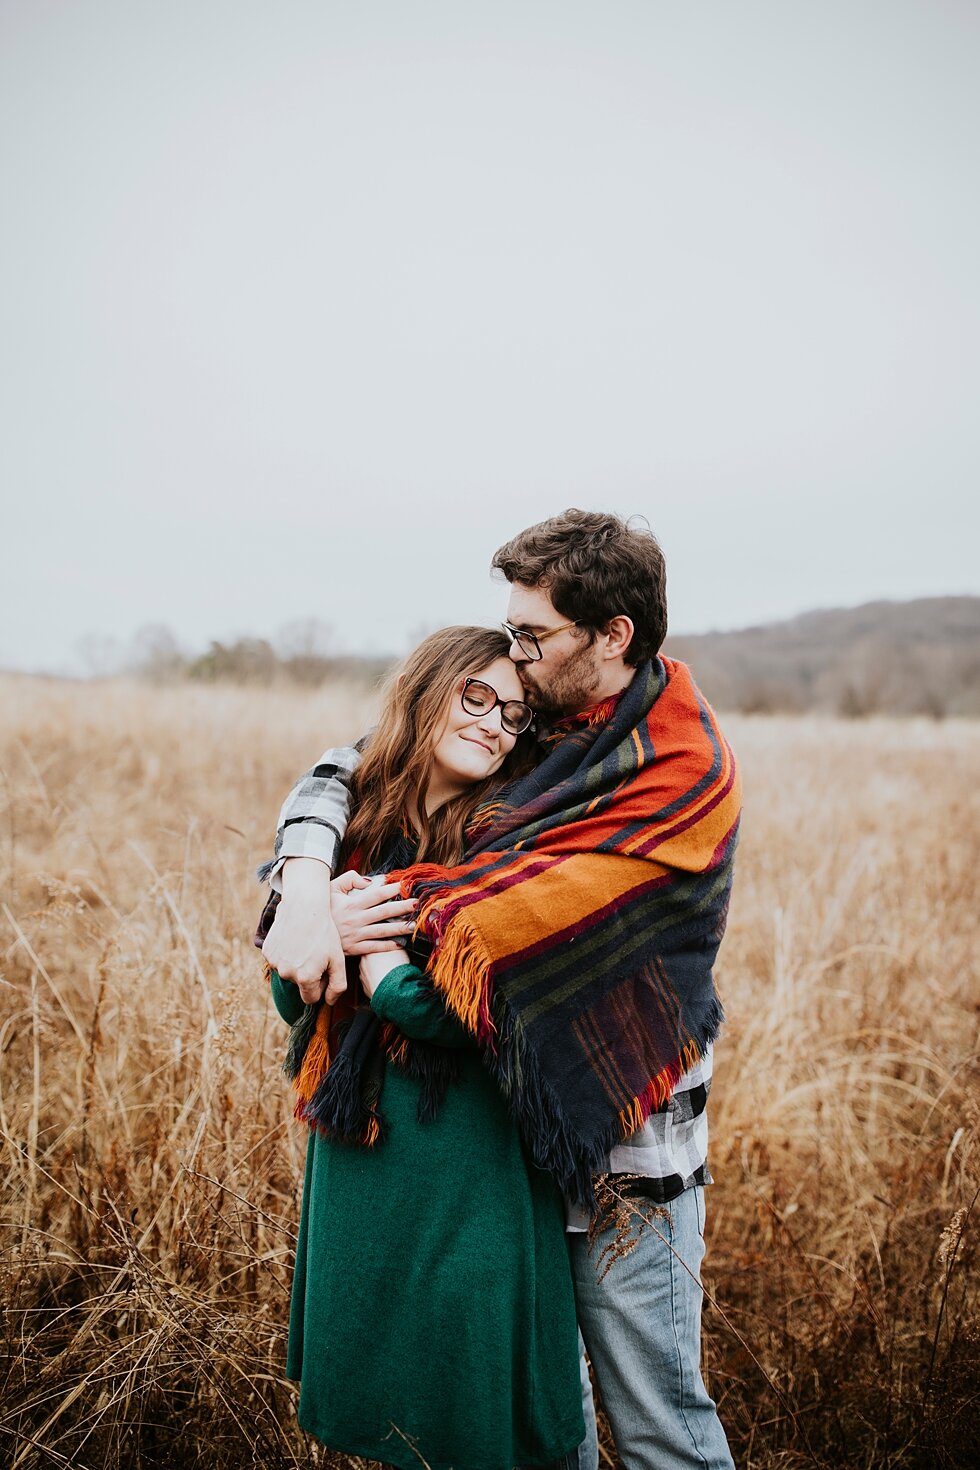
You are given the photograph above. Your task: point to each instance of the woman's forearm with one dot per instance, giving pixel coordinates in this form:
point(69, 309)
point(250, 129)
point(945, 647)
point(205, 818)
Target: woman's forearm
point(406, 997)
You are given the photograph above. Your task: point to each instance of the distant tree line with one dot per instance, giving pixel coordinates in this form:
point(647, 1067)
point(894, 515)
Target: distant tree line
point(301, 653)
point(903, 658)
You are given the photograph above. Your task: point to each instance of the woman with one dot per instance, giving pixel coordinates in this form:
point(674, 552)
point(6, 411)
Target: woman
point(432, 1313)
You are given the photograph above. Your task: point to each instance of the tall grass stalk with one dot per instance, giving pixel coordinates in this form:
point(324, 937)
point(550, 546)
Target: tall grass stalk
point(151, 1175)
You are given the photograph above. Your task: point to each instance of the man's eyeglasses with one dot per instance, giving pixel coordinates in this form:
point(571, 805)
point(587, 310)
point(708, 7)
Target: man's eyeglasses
point(530, 643)
point(478, 698)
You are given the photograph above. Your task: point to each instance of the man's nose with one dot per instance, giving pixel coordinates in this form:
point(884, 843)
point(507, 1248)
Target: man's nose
point(517, 653)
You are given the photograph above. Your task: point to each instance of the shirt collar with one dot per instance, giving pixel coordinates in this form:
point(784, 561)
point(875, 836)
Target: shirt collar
point(586, 719)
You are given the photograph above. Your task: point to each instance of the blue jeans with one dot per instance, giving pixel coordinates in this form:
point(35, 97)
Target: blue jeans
point(642, 1328)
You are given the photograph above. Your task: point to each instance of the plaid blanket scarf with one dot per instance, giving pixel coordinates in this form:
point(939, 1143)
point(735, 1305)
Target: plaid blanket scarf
point(577, 939)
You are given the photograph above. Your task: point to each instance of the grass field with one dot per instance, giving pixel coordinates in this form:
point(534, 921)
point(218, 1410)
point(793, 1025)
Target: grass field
point(151, 1176)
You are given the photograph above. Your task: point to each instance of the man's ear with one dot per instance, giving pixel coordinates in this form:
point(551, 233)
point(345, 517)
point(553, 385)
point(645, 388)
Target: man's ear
point(618, 636)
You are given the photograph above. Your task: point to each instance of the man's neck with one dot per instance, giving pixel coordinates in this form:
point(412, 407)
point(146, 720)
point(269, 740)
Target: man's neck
point(599, 708)
point(620, 677)
point(607, 690)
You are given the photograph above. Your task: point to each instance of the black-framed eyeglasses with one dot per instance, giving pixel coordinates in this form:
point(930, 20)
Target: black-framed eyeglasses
point(530, 643)
point(479, 698)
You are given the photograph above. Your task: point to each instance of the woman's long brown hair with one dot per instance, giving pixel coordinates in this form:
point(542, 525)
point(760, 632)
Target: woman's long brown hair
point(389, 786)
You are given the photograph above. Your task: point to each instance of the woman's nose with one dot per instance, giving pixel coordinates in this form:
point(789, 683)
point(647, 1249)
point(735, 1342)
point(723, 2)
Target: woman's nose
point(491, 720)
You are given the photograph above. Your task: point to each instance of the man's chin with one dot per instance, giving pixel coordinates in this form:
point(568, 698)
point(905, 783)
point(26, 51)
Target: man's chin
point(539, 702)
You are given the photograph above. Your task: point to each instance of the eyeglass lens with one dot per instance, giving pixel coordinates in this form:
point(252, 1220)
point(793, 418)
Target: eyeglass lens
point(478, 698)
point(526, 642)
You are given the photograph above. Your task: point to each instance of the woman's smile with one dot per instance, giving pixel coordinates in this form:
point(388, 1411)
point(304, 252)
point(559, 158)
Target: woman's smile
point(483, 744)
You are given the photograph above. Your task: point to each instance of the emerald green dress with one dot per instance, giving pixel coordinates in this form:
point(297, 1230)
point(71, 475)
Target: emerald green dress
point(432, 1310)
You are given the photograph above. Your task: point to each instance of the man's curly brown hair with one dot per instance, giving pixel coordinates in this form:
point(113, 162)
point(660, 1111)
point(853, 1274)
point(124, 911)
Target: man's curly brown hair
point(594, 566)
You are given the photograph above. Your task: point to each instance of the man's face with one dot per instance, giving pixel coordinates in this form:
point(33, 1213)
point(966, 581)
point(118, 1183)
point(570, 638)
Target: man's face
point(566, 678)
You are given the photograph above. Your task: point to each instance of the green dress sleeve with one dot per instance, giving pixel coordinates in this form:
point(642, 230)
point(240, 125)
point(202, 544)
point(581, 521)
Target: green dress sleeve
point(406, 997)
point(288, 1001)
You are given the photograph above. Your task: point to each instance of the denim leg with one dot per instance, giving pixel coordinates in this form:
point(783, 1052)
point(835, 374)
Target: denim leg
point(586, 1457)
point(642, 1328)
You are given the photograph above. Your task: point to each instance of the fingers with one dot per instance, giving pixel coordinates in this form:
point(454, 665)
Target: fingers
point(303, 937)
point(369, 891)
point(381, 893)
point(310, 990)
point(347, 882)
point(360, 909)
point(336, 988)
point(402, 909)
point(374, 946)
point(360, 913)
point(336, 972)
point(376, 933)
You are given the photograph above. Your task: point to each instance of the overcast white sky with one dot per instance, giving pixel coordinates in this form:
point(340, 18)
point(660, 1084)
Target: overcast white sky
point(306, 307)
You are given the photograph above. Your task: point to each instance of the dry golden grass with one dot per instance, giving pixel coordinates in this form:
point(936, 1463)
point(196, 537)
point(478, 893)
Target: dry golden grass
point(151, 1178)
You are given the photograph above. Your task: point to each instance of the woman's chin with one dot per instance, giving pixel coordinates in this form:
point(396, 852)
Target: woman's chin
point(473, 765)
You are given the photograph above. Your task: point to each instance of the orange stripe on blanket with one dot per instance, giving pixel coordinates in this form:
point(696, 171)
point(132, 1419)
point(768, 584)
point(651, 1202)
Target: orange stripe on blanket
point(429, 872)
point(693, 848)
point(560, 898)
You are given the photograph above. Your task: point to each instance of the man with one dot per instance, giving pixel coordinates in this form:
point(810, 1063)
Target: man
point(587, 609)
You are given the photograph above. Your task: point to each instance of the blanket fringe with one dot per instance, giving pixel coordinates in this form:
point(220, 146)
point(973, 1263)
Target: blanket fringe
point(316, 1055)
point(460, 971)
point(433, 1067)
point(554, 1143)
point(395, 1043)
point(345, 1103)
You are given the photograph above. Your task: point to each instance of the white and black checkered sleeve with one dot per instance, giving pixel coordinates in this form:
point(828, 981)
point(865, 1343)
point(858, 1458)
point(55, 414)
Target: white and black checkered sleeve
point(314, 815)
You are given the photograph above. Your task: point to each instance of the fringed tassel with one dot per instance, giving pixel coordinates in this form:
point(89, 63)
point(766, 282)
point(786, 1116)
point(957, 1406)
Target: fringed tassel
point(395, 1043)
point(345, 1104)
point(659, 1089)
point(300, 1035)
point(555, 1144)
point(601, 713)
point(654, 1095)
point(313, 1052)
point(433, 1067)
point(375, 1131)
point(460, 971)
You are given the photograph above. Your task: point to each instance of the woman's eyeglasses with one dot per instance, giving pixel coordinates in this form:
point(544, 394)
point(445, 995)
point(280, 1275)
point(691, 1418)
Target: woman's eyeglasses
point(530, 643)
point(478, 698)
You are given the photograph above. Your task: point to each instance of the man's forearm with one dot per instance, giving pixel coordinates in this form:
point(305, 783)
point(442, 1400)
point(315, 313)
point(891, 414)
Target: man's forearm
point(303, 944)
point(315, 814)
point(307, 881)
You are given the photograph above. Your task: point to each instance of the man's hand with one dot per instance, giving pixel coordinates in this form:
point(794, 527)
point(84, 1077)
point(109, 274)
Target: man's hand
point(303, 943)
point(370, 915)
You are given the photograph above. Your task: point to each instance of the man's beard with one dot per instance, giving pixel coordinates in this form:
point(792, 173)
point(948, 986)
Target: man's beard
point(571, 688)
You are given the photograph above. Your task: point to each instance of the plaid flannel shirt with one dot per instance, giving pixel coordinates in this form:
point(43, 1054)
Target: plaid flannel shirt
point(314, 815)
point(668, 1154)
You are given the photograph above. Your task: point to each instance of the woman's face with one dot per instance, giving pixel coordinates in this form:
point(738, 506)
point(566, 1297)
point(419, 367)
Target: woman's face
point(470, 747)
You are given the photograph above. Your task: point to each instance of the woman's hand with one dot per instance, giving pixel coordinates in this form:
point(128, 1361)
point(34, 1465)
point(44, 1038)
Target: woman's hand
point(369, 915)
point(374, 968)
